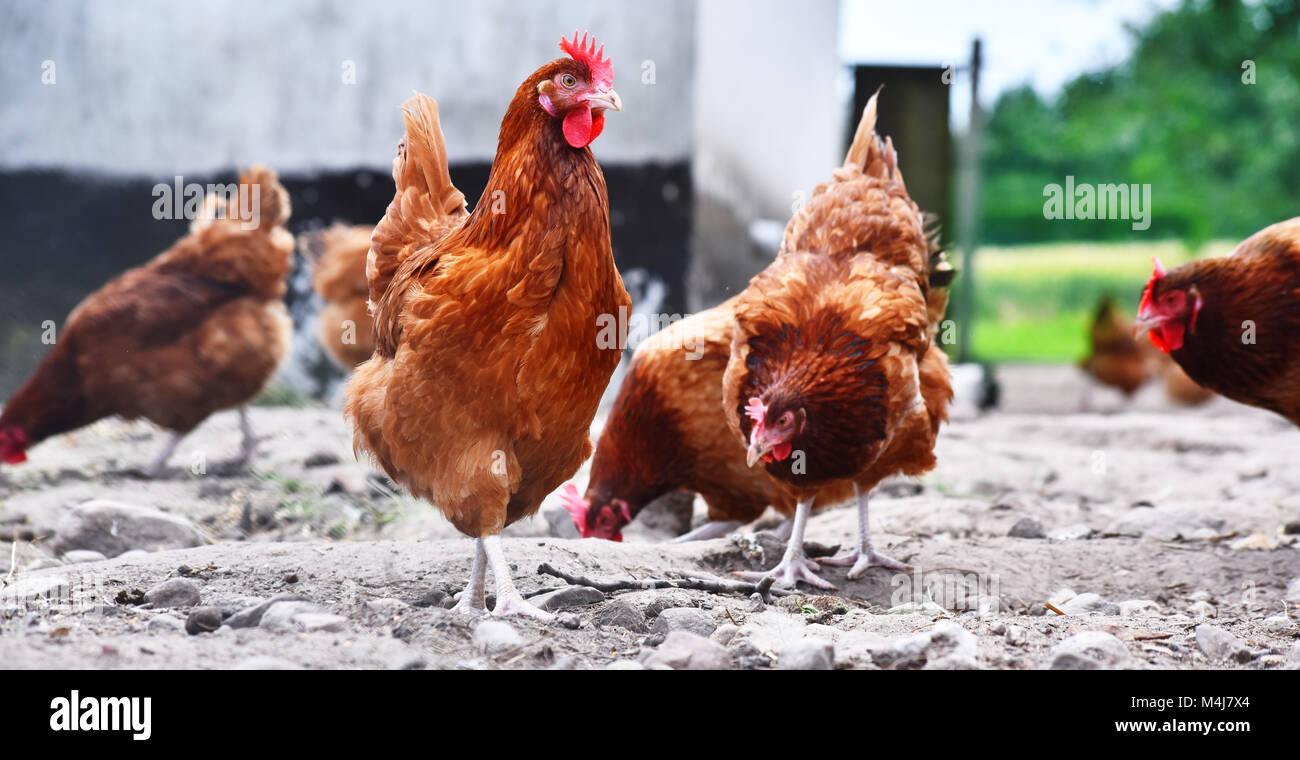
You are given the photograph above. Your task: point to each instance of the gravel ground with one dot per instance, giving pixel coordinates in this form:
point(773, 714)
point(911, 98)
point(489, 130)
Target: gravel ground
point(1160, 533)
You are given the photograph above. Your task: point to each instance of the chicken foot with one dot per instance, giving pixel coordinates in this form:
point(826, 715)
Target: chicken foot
point(509, 600)
point(864, 556)
point(470, 601)
point(795, 565)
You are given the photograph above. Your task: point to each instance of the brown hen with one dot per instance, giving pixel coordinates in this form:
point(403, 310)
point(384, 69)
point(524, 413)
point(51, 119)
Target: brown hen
point(488, 369)
point(200, 328)
point(834, 378)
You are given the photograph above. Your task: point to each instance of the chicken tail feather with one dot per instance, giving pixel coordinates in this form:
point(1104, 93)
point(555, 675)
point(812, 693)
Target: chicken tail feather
point(426, 204)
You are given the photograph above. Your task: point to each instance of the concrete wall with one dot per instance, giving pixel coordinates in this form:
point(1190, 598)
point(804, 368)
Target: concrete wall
point(770, 104)
point(157, 86)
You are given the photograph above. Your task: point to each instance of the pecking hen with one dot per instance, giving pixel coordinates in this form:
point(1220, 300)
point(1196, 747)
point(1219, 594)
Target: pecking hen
point(200, 328)
point(834, 378)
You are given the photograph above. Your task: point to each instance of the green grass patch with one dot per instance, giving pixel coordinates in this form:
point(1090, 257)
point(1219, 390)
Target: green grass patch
point(1034, 302)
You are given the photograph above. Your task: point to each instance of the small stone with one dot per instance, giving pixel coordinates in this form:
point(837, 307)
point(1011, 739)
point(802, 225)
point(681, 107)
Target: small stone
point(290, 578)
point(1293, 654)
point(690, 619)
point(807, 654)
point(1061, 596)
point(320, 459)
point(1293, 591)
point(623, 664)
point(1027, 527)
point(165, 624)
point(1016, 636)
point(50, 587)
point(78, 556)
point(495, 637)
point(1218, 644)
point(111, 528)
point(724, 633)
point(1074, 661)
point(1072, 532)
point(251, 617)
point(1279, 624)
point(1090, 604)
point(203, 620)
point(559, 522)
point(1292, 528)
point(280, 617)
point(683, 650)
point(568, 620)
point(1203, 610)
point(1081, 650)
point(620, 614)
point(311, 622)
point(1136, 607)
point(176, 592)
point(570, 596)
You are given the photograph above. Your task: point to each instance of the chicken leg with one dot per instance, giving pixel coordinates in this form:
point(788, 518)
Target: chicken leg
point(155, 467)
point(509, 600)
point(864, 556)
point(795, 565)
point(710, 529)
point(470, 601)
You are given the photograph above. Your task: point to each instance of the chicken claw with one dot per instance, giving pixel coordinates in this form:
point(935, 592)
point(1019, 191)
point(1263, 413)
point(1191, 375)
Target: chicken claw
point(864, 556)
point(795, 565)
point(789, 572)
point(509, 600)
point(861, 560)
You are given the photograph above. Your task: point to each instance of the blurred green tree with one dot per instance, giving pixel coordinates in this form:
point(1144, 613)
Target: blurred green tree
point(1206, 111)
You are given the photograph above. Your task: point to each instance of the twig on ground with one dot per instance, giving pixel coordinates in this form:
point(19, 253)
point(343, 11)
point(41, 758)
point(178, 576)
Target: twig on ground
point(712, 585)
point(1053, 608)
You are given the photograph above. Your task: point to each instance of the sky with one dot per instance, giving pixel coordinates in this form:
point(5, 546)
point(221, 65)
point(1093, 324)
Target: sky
point(1044, 44)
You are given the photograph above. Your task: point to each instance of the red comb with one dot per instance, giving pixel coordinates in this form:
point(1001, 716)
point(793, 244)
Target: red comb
point(602, 70)
point(1156, 274)
point(576, 506)
point(756, 410)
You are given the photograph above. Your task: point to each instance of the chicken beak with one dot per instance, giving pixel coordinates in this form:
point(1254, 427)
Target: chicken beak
point(756, 452)
point(1143, 326)
point(605, 100)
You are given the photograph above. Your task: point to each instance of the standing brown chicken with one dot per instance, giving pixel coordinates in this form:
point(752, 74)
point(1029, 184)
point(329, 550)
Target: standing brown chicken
point(345, 328)
point(200, 328)
point(1233, 323)
point(488, 369)
point(834, 377)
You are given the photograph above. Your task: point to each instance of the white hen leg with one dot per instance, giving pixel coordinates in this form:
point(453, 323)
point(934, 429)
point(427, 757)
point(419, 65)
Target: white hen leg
point(864, 556)
point(470, 601)
point(509, 600)
point(155, 467)
point(795, 565)
point(711, 529)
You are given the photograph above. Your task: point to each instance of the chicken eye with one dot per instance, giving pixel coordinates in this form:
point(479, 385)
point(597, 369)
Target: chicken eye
point(785, 420)
point(568, 80)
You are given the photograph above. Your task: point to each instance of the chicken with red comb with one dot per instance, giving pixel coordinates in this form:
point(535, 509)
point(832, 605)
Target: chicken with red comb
point(1233, 323)
point(487, 369)
point(834, 377)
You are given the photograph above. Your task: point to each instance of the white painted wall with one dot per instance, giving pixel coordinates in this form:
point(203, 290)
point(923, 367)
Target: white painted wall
point(769, 113)
point(156, 86)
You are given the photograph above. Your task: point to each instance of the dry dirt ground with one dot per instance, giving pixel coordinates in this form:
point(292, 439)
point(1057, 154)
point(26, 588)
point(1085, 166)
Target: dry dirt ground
point(1161, 533)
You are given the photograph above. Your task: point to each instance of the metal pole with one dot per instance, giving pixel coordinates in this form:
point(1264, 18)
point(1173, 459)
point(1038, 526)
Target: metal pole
point(968, 201)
